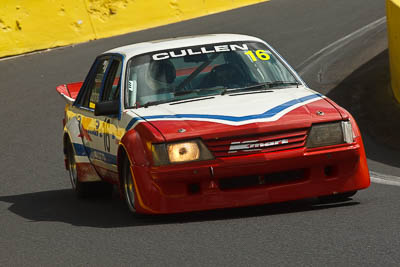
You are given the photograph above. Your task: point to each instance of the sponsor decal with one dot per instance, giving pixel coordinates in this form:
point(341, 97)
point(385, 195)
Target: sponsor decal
point(200, 50)
point(97, 155)
point(260, 54)
point(254, 145)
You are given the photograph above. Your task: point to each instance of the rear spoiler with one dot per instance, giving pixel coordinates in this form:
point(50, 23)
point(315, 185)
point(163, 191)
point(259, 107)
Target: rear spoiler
point(69, 91)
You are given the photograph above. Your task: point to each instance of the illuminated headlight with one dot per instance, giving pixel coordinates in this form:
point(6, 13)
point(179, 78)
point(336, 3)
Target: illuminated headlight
point(193, 150)
point(328, 134)
point(188, 151)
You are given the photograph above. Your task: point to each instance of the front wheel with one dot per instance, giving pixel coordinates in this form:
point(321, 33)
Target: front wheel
point(128, 185)
point(337, 197)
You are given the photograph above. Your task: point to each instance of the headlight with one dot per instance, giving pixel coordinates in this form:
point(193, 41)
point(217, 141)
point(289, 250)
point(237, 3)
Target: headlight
point(328, 134)
point(188, 151)
point(348, 134)
point(192, 150)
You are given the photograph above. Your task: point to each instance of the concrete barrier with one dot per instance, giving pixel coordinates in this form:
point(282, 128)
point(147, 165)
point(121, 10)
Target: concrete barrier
point(393, 26)
point(34, 25)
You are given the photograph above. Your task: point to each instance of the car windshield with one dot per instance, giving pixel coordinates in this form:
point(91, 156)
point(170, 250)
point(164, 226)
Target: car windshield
point(192, 72)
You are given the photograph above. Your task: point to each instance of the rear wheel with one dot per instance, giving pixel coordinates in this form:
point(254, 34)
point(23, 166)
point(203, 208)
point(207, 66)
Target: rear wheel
point(84, 189)
point(77, 186)
point(337, 197)
point(128, 185)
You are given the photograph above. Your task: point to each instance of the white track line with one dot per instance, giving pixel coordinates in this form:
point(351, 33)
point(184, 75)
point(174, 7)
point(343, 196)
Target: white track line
point(380, 178)
point(333, 47)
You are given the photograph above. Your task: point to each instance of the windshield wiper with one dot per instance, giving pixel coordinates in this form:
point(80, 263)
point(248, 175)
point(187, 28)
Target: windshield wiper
point(263, 86)
point(180, 93)
point(158, 102)
point(281, 83)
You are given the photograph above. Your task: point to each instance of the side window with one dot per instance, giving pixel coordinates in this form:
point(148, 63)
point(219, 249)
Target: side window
point(110, 91)
point(94, 86)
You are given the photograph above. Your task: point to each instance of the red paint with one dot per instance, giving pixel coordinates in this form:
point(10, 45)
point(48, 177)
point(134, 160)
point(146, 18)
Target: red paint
point(299, 118)
point(193, 186)
point(165, 189)
point(84, 134)
point(70, 90)
point(74, 88)
point(86, 172)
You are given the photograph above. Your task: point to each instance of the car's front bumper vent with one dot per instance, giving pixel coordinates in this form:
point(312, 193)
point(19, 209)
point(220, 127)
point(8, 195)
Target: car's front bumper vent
point(262, 143)
point(270, 179)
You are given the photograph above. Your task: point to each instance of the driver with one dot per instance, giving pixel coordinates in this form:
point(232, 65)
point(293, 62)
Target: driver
point(160, 76)
point(227, 74)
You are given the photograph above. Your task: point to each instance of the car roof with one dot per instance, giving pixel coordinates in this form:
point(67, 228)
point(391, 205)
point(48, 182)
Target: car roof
point(173, 43)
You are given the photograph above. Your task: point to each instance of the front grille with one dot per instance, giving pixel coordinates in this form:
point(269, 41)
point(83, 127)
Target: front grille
point(263, 143)
point(270, 179)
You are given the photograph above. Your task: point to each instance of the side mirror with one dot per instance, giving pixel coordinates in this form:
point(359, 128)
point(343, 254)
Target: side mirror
point(107, 108)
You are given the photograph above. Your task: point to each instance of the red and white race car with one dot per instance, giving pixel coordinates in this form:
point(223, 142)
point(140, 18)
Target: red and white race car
point(206, 122)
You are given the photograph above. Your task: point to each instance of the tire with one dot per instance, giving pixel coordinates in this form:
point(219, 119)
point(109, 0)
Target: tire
point(84, 189)
point(337, 197)
point(128, 185)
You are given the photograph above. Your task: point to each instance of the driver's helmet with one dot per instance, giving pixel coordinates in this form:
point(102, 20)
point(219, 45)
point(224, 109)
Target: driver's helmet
point(160, 75)
point(226, 75)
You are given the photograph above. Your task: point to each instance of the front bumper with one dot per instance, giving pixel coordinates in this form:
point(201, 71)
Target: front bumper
point(251, 179)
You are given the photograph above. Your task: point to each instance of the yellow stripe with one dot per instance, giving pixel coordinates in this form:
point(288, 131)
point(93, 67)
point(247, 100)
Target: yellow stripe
point(139, 197)
point(94, 124)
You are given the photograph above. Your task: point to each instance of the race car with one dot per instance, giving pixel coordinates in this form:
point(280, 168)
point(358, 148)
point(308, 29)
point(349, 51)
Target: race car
point(206, 122)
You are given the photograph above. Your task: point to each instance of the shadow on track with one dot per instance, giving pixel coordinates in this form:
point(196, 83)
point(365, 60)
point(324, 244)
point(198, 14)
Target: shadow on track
point(367, 95)
point(63, 206)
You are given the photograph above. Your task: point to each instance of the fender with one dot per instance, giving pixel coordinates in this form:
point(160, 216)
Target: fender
point(138, 152)
point(86, 172)
point(346, 116)
point(344, 113)
point(71, 129)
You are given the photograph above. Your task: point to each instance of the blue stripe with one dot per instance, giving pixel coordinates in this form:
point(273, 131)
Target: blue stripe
point(82, 150)
point(268, 114)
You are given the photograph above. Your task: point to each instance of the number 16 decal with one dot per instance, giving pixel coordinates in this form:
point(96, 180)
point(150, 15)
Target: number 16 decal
point(261, 54)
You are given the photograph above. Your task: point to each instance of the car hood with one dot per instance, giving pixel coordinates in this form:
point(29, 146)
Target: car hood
point(239, 114)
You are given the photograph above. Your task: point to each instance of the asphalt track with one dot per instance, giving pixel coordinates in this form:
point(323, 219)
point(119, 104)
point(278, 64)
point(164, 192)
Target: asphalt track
point(43, 224)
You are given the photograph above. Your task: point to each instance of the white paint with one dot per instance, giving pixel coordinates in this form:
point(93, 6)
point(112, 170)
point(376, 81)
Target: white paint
point(228, 106)
point(380, 178)
point(333, 47)
point(178, 43)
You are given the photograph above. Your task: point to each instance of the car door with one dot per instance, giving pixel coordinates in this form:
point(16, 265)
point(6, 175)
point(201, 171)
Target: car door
point(109, 132)
point(100, 135)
